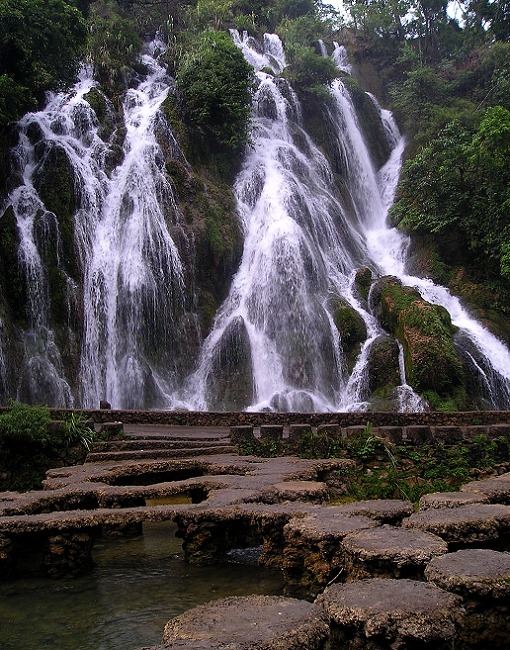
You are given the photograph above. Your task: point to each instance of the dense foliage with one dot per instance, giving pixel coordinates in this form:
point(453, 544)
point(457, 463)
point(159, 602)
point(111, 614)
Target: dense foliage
point(41, 43)
point(215, 82)
point(30, 443)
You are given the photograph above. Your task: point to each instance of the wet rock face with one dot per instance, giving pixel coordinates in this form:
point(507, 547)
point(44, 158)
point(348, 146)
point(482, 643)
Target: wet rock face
point(231, 376)
point(383, 369)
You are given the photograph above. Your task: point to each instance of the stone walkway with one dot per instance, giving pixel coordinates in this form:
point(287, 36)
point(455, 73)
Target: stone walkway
point(352, 556)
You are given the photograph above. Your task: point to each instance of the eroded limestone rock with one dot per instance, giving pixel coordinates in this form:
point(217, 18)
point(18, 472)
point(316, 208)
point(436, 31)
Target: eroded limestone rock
point(382, 614)
point(254, 622)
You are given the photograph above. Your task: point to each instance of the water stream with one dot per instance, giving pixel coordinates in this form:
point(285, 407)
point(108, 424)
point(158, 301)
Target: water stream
point(137, 585)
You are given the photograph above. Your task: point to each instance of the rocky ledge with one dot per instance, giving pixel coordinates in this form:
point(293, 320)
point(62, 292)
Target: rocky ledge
point(384, 575)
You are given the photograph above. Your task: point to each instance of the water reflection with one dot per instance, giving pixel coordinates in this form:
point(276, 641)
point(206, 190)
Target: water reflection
point(138, 584)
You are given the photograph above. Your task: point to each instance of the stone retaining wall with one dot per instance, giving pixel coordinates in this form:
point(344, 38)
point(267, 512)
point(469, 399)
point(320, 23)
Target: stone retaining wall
point(228, 419)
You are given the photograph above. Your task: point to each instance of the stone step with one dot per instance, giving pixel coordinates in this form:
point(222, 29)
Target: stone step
point(155, 443)
point(143, 454)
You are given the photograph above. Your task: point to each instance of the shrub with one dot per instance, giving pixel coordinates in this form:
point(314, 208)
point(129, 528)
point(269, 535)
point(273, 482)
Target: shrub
point(215, 84)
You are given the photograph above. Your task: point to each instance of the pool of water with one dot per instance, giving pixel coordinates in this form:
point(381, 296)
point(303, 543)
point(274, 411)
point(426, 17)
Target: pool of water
point(137, 586)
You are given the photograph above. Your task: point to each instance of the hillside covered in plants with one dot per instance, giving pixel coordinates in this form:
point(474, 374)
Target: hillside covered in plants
point(196, 204)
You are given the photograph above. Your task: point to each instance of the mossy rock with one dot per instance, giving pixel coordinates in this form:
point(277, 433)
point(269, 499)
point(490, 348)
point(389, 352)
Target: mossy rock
point(104, 112)
point(12, 278)
point(383, 365)
point(351, 327)
point(230, 381)
point(426, 334)
point(363, 281)
point(389, 297)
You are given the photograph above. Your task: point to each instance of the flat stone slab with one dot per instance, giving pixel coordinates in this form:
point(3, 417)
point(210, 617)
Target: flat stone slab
point(437, 500)
point(327, 523)
point(472, 573)
point(388, 551)
point(385, 613)
point(255, 622)
point(496, 489)
point(464, 526)
point(385, 511)
point(310, 491)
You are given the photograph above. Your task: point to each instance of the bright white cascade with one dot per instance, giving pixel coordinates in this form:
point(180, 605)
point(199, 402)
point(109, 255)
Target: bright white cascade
point(300, 255)
point(125, 222)
point(134, 283)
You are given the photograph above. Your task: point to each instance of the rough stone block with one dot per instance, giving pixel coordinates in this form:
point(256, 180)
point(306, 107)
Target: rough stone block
point(390, 552)
point(297, 431)
point(465, 525)
point(386, 614)
point(482, 578)
point(112, 429)
point(271, 432)
point(238, 623)
point(242, 435)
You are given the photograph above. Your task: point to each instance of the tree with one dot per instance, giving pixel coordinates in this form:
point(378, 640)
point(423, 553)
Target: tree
point(215, 84)
point(41, 43)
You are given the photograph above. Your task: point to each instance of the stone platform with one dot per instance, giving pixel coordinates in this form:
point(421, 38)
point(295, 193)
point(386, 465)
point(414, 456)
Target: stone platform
point(222, 502)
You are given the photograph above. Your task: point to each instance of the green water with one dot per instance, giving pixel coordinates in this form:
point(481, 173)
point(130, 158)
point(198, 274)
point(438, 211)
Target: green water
point(137, 585)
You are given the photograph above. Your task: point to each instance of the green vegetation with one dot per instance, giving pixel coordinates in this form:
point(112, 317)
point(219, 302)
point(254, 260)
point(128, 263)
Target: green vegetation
point(384, 470)
point(41, 43)
point(30, 443)
point(215, 82)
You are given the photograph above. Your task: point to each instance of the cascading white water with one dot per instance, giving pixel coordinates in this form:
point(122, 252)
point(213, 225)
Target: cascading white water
point(64, 128)
point(274, 343)
point(299, 254)
point(490, 358)
point(134, 283)
point(125, 221)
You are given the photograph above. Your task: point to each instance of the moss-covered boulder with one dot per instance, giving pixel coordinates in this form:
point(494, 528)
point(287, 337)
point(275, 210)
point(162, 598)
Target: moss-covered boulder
point(12, 279)
point(230, 379)
point(363, 281)
point(54, 181)
point(426, 334)
point(351, 327)
point(383, 366)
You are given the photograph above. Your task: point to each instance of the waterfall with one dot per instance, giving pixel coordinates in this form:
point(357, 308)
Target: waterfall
point(126, 237)
point(299, 255)
point(107, 271)
point(134, 290)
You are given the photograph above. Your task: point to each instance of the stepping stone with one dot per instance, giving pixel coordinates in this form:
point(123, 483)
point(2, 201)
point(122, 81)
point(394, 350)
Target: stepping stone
point(385, 511)
point(472, 573)
point(482, 578)
point(382, 614)
point(239, 623)
point(310, 491)
point(389, 552)
point(465, 525)
point(496, 489)
point(313, 554)
point(437, 500)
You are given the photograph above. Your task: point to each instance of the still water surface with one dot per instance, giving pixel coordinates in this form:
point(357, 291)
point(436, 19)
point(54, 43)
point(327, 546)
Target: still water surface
point(137, 586)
